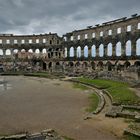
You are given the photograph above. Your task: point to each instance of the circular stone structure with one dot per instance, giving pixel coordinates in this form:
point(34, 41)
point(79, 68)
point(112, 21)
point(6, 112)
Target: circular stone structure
point(34, 104)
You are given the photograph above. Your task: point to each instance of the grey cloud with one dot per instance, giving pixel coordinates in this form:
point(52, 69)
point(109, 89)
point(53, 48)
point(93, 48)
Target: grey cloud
point(61, 16)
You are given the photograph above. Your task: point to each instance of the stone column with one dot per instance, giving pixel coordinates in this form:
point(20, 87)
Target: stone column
point(113, 49)
point(82, 52)
point(68, 52)
point(133, 48)
point(97, 51)
point(61, 54)
point(75, 52)
point(89, 52)
point(123, 49)
point(105, 50)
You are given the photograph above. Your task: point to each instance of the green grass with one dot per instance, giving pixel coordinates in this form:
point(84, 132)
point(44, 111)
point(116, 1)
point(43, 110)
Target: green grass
point(131, 110)
point(93, 103)
point(132, 138)
point(40, 73)
point(80, 86)
point(93, 98)
point(119, 91)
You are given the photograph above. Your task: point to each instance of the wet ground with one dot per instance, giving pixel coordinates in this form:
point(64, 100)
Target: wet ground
point(34, 104)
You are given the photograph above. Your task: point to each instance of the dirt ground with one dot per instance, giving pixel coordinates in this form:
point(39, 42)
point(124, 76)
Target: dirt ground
point(33, 104)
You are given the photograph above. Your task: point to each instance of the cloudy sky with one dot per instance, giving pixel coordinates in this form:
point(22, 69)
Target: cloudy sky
point(61, 16)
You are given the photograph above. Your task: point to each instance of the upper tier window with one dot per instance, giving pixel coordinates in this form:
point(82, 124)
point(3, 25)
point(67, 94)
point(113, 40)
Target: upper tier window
point(37, 40)
point(8, 41)
point(118, 30)
point(110, 32)
point(93, 35)
point(44, 40)
point(138, 25)
point(71, 38)
point(129, 28)
point(22, 41)
point(101, 34)
point(86, 36)
point(78, 37)
point(30, 41)
point(15, 41)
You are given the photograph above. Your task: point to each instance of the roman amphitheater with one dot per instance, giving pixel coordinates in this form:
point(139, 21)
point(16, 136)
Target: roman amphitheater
point(112, 46)
point(103, 59)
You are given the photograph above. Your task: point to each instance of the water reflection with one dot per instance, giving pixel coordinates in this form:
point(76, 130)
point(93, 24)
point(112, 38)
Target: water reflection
point(4, 85)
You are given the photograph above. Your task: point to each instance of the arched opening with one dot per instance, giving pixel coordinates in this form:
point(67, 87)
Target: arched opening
point(109, 66)
point(8, 52)
point(71, 52)
point(57, 64)
point(86, 51)
point(109, 49)
point(57, 52)
point(15, 51)
point(66, 52)
point(71, 64)
point(85, 64)
point(101, 50)
point(128, 48)
point(78, 51)
point(137, 64)
point(93, 65)
point(23, 50)
point(44, 66)
point(119, 67)
point(127, 64)
point(93, 51)
point(44, 51)
point(118, 49)
point(37, 51)
point(100, 65)
point(50, 65)
point(1, 52)
point(30, 51)
point(77, 64)
point(138, 47)
point(50, 53)
point(138, 25)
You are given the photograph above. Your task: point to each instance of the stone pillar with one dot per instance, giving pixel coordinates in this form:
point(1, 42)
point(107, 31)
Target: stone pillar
point(105, 50)
point(75, 52)
point(61, 54)
point(123, 49)
point(82, 52)
point(97, 51)
point(4, 53)
point(113, 49)
point(68, 52)
point(89, 52)
point(133, 48)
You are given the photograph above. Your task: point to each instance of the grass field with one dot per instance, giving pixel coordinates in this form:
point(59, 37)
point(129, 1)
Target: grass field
point(119, 91)
point(93, 103)
point(93, 98)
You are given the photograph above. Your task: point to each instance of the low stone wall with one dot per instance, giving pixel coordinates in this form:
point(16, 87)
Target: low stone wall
point(99, 94)
point(48, 134)
point(132, 132)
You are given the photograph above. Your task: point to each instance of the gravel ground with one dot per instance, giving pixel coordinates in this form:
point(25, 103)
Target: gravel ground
point(34, 104)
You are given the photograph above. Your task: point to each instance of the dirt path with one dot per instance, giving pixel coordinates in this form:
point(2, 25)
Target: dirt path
point(136, 90)
point(33, 104)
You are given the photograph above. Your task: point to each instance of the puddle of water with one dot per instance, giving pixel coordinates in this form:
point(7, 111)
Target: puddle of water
point(4, 85)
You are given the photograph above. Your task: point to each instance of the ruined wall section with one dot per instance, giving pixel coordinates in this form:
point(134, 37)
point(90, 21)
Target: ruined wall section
point(120, 30)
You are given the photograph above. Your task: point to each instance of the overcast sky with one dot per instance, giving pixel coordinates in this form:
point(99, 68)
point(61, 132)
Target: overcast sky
point(60, 16)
